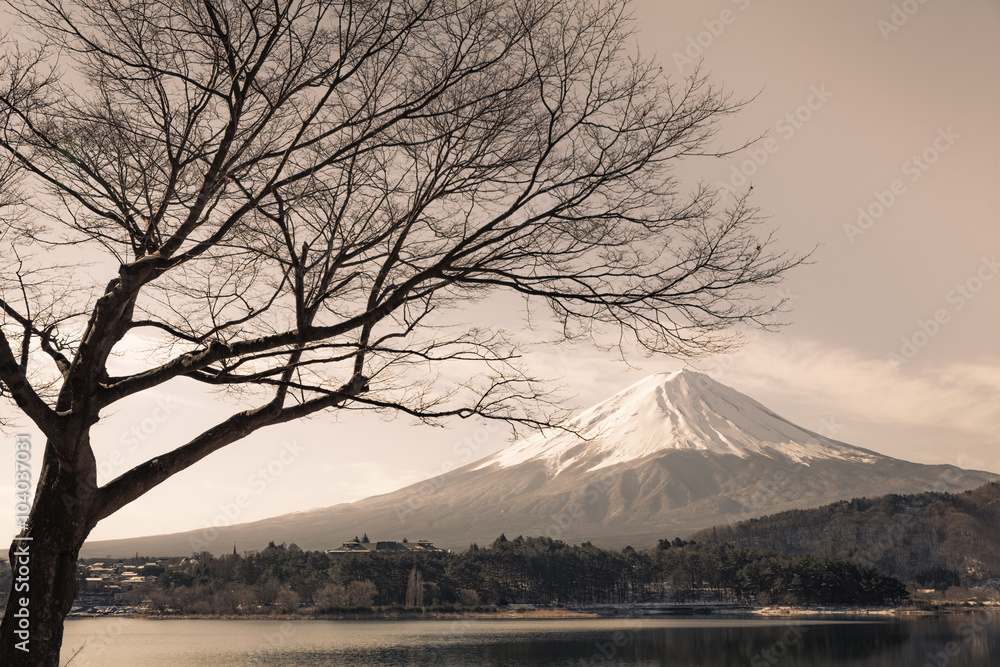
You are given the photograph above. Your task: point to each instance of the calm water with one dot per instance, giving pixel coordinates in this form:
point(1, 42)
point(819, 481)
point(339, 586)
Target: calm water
point(947, 641)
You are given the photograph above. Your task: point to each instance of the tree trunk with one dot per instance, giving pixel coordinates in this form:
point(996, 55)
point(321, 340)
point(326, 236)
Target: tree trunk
point(43, 559)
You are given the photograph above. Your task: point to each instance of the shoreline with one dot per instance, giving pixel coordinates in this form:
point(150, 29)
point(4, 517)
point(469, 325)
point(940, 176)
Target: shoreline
point(955, 608)
point(770, 611)
point(535, 614)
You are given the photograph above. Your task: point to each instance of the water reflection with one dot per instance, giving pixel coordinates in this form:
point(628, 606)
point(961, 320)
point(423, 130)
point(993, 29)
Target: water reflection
point(945, 641)
point(795, 642)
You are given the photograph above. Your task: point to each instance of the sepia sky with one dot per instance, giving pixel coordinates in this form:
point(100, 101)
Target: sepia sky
point(882, 155)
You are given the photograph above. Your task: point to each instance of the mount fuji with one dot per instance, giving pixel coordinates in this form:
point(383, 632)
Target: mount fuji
point(671, 454)
point(675, 412)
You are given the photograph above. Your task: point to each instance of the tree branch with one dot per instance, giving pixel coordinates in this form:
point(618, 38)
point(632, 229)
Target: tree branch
point(140, 479)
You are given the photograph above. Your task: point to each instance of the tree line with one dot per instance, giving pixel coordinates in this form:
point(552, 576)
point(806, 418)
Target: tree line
point(523, 570)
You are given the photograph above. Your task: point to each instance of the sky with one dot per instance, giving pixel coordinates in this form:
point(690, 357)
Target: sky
point(881, 156)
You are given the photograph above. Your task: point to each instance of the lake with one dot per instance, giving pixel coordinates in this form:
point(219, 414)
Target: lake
point(959, 640)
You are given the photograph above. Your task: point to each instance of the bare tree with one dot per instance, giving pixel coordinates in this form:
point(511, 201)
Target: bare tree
point(285, 193)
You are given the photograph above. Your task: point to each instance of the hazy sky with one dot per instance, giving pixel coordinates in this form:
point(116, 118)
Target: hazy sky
point(882, 153)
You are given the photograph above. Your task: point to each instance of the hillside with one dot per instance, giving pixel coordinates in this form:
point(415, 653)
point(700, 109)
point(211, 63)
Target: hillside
point(934, 538)
point(669, 455)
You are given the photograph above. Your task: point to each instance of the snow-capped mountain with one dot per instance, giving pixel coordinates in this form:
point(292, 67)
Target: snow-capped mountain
point(669, 455)
point(680, 411)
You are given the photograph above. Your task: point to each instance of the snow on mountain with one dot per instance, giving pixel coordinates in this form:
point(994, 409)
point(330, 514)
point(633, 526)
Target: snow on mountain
point(683, 410)
point(670, 455)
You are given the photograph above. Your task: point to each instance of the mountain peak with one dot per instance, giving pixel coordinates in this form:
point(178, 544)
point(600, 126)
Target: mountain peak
point(688, 452)
point(680, 410)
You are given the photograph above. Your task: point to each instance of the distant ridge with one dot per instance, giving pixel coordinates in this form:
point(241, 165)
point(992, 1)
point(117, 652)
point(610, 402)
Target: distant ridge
point(926, 535)
point(669, 455)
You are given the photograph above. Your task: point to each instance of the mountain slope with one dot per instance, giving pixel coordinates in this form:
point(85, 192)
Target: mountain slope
point(681, 411)
point(669, 455)
point(900, 535)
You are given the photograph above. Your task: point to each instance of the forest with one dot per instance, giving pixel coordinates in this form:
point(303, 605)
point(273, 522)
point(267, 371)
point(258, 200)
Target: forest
point(935, 539)
point(523, 570)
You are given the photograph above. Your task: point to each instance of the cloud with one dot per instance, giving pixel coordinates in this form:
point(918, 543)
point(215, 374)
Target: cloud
point(962, 397)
